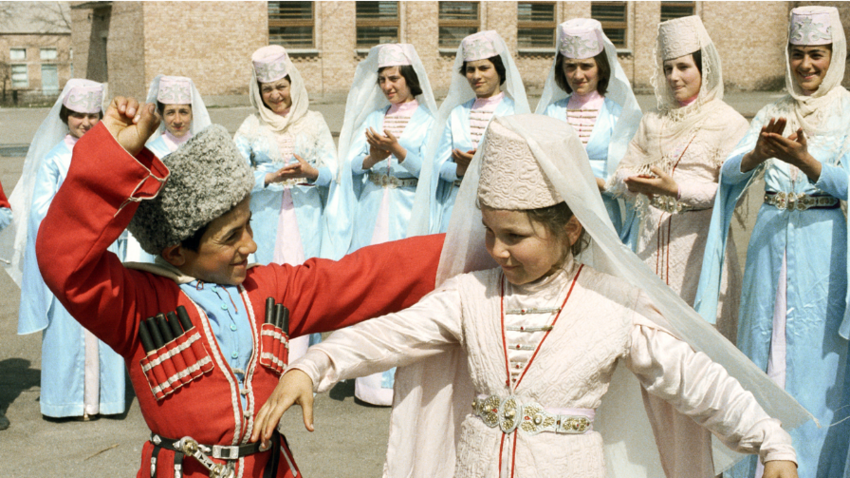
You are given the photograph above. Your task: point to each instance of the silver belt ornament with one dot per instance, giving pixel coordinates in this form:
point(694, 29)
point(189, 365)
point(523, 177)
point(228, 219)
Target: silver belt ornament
point(798, 201)
point(202, 453)
point(668, 204)
point(531, 418)
point(387, 181)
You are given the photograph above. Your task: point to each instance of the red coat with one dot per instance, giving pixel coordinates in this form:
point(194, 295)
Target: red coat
point(3, 201)
point(110, 300)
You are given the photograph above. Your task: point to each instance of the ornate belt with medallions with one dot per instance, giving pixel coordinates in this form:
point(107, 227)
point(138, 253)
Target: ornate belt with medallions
point(511, 413)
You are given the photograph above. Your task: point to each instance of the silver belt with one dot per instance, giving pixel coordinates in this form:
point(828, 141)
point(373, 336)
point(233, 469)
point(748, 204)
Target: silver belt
point(387, 181)
point(288, 183)
point(799, 201)
point(669, 204)
point(510, 413)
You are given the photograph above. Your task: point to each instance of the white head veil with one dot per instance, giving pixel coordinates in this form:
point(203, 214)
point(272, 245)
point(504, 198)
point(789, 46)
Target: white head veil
point(13, 239)
point(560, 155)
point(297, 92)
point(364, 98)
point(459, 93)
point(200, 115)
point(619, 90)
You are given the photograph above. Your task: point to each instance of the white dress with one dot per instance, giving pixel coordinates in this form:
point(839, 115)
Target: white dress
point(565, 371)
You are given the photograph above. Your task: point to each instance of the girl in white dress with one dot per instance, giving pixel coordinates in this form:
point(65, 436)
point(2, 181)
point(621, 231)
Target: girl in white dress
point(542, 334)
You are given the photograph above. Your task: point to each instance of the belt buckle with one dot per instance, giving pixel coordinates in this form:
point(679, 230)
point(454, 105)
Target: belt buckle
point(222, 452)
point(781, 200)
point(510, 414)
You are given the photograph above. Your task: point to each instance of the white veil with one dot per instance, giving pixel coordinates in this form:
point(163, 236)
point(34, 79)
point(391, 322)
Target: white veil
point(459, 93)
point(619, 90)
point(13, 239)
point(425, 393)
point(200, 115)
point(364, 97)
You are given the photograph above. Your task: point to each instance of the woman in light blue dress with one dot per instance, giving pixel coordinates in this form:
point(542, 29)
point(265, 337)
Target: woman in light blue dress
point(487, 84)
point(588, 89)
point(793, 321)
point(80, 375)
point(294, 159)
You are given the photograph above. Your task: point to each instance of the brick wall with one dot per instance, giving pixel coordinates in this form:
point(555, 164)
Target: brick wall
point(125, 50)
point(33, 44)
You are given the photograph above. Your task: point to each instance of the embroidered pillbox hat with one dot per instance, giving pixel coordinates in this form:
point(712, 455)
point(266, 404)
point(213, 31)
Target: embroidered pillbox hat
point(270, 63)
point(391, 54)
point(85, 98)
point(580, 38)
point(174, 90)
point(208, 178)
point(480, 46)
point(511, 177)
point(810, 26)
point(680, 36)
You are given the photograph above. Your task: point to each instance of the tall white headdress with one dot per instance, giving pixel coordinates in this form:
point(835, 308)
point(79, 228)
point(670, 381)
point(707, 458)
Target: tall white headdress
point(586, 31)
point(13, 239)
point(435, 393)
point(460, 92)
point(178, 90)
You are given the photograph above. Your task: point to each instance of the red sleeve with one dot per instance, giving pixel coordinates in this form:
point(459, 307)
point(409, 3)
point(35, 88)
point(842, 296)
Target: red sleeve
point(3, 201)
point(88, 214)
point(324, 295)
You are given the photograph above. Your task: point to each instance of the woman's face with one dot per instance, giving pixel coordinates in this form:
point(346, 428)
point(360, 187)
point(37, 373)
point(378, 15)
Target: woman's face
point(683, 77)
point(582, 75)
point(483, 78)
point(394, 85)
point(79, 123)
point(178, 119)
point(277, 95)
point(809, 65)
point(525, 250)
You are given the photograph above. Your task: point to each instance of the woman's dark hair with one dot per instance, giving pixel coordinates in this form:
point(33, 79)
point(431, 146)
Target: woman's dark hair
point(260, 88)
point(601, 64)
point(193, 242)
point(410, 78)
point(554, 218)
point(698, 60)
point(64, 113)
point(497, 64)
point(160, 107)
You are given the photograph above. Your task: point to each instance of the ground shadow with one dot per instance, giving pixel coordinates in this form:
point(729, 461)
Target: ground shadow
point(16, 376)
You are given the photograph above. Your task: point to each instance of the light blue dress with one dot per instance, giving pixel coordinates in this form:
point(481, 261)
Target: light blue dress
point(413, 140)
point(597, 147)
point(814, 243)
point(313, 142)
point(159, 147)
point(63, 342)
point(456, 136)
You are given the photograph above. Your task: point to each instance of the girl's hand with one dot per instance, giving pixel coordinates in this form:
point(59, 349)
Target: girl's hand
point(794, 151)
point(129, 123)
point(294, 387)
point(600, 183)
point(377, 151)
point(663, 184)
point(302, 169)
point(780, 469)
point(462, 159)
point(763, 149)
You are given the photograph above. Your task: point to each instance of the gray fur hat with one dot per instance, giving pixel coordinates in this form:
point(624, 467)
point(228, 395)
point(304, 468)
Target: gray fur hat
point(208, 177)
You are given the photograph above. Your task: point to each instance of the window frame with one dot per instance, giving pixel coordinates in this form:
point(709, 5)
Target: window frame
point(666, 3)
point(22, 49)
point(538, 25)
point(456, 23)
point(55, 51)
point(293, 22)
point(12, 76)
point(608, 25)
point(376, 23)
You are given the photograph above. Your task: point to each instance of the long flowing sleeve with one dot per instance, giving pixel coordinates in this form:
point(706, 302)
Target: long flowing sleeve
point(421, 331)
point(702, 389)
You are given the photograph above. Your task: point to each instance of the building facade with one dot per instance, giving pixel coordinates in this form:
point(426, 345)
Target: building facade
point(35, 51)
point(128, 43)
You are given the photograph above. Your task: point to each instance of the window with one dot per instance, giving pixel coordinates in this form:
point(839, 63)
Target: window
point(377, 22)
point(535, 25)
point(457, 20)
point(671, 10)
point(18, 54)
point(48, 54)
point(20, 78)
point(291, 24)
point(612, 16)
point(49, 80)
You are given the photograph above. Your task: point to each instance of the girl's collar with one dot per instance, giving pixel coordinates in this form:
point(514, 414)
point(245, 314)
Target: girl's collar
point(403, 109)
point(493, 100)
point(592, 100)
point(175, 139)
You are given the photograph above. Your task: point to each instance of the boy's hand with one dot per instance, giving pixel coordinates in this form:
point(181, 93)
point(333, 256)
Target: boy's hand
point(129, 123)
